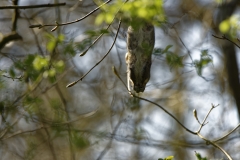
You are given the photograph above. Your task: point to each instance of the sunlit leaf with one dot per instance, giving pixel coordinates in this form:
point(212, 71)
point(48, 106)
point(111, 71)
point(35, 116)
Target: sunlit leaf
point(40, 62)
point(148, 10)
point(174, 60)
point(224, 26)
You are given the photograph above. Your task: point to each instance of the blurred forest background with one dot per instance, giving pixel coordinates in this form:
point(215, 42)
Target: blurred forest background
point(195, 65)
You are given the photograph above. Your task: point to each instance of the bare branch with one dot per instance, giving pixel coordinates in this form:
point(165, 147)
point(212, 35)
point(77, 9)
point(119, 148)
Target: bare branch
point(8, 38)
point(203, 123)
point(224, 37)
point(133, 95)
point(15, 16)
point(95, 41)
point(227, 133)
point(115, 38)
point(33, 6)
point(215, 145)
point(75, 21)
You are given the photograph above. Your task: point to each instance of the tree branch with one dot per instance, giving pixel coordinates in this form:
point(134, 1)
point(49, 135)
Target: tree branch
point(15, 17)
point(188, 130)
point(115, 38)
point(223, 137)
point(11, 37)
point(224, 37)
point(32, 6)
point(71, 22)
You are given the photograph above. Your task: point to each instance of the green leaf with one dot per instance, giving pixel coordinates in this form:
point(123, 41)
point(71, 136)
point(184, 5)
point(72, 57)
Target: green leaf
point(53, 41)
point(69, 49)
point(51, 45)
point(59, 66)
point(174, 60)
point(100, 18)
point(79, 140)
point(61, 38)
point(205, 59)
point(146, 10)
point(166, 49)
point(199, 157)
point(167, 158)
point(40, 62)
point(157, 51)
point(12, 72)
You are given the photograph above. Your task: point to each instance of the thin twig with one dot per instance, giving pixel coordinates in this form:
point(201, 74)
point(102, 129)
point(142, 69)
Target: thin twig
point(32, 6)
point(15, 17)
point(35, 37)
point(4, 132)
point(71, 22)
point(224, 37)
point(110, 142)
point(188, 130)
point(227, 134)
point(95, 41)
point(166, 112)
point(85, 115)
point(116, 73)
point(203, 123)
point(188, 51)
point(115, 38)
point(215, 145)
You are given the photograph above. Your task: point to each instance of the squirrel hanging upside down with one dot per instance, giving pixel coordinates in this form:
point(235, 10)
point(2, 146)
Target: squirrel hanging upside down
point(140, 44)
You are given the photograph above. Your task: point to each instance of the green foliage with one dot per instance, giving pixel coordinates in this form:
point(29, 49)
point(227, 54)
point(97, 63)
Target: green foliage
point(58, 112)
point(230, 26)
point(199, 157)
point(34, 66)
point(31, 151)
point(151, 11)
point(173, 60)
point(79, 140)
point(139, 133)
point(12, 73)
point(205, 59)
point(92, 33)
point(2, 84)
point(2, 109)
point(40, 62)
point(31, 104)
point(26, 66)
point(53, 41)
point(167, 158)
point(83, 46)
point(91, 36)
point(69, 49)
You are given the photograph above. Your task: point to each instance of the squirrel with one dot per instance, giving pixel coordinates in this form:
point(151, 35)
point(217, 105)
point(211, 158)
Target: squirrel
point(140, 44)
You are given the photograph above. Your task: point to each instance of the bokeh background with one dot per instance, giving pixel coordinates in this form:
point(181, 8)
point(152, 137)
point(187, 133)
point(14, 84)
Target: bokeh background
point(97, 118)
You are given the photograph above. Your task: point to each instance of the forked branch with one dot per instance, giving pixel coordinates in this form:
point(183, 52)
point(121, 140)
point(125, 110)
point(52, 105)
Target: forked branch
point(56, 25)
point(188, 130)
point(115, 38)
point(33, 6)
point(224, 37)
